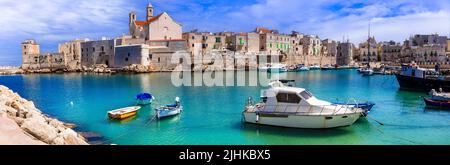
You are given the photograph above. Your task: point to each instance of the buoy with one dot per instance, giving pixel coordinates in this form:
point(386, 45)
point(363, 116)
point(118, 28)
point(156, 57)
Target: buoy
point(257, 117)
point(71, 103)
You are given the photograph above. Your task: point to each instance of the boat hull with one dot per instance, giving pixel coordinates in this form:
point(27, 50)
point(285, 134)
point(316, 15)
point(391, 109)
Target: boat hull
point(298, 121)
point(144, 102)
point(442, 104)
point(422, 84)
point(122, 116)
point(167, 113)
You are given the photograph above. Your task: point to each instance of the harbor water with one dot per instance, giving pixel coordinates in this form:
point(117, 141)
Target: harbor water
point(212, 115)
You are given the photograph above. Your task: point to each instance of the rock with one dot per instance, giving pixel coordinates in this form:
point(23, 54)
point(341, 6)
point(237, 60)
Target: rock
point(72, 138)
point(34, 123)
point(40, 130)
point(59, 141)
point(70, 125)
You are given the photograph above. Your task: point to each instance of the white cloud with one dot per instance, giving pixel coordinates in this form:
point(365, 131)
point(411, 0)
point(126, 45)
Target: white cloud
point(50, 17)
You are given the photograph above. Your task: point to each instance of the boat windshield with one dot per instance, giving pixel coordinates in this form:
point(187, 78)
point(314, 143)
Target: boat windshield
point(306, 95)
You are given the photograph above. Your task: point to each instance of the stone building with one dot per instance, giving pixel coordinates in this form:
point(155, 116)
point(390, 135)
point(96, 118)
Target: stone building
point(30, 53)
point(329, 52)
point(312, 49)
point(364, 55)
point(274, 43)
point(154, 28)
point(447, 48)
point(296, 56)
point(429, 39)
point(204, 42)
point(390, 52)
point(344, 53)
point(72, 53)
point(98, 52)
point(32, 59)
point(244, 42)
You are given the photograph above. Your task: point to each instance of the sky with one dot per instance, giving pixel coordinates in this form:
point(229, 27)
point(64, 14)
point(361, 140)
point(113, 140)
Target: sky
point(50, 22)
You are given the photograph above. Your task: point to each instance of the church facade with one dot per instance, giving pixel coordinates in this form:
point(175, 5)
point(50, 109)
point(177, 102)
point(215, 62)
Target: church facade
point(155, 28)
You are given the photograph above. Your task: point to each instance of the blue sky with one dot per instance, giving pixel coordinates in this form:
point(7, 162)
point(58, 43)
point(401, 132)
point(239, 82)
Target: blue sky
point(53, 21)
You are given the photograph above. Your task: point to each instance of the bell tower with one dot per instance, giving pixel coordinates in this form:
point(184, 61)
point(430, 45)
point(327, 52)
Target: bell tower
point(149, 11)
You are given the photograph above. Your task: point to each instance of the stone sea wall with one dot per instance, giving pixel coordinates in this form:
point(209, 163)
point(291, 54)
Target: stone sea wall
point(32, 122)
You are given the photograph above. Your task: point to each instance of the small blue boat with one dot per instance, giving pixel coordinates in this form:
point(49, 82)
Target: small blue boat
point(169, 109)
point(144, 98)
point(366, 106)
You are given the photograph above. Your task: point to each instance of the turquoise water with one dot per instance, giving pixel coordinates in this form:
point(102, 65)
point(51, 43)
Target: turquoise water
point(212, 115)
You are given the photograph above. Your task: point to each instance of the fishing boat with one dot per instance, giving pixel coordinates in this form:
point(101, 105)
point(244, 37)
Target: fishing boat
point(274, 68)
point(366, 71)
point(123, 113)
point(169, 109)
point(366, 106)
point(438, 99)
point(327, 67)
point(413, 77)
point(144, 98)
point(297, 108)
point(437, 103)
point(314, 67)
point(302, 68)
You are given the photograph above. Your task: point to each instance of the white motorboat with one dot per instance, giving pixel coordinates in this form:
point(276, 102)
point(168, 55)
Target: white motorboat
point(297, 108)
point(274, 68)
point(314, 67)
point(169, 110)
point(366, 71)
point(302, 68)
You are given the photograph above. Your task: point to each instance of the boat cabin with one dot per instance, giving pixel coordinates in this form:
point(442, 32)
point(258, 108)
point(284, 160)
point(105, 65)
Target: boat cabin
point(415, 71)
point(289, 99)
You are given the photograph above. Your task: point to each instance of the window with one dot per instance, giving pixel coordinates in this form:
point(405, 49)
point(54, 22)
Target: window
point(150, 56)
point(181, 60)
point(128, 54)
point(126, 59)
point(159, 59)
point(93, 49)
point(111, 47)
point(193, 37)
point(103, 48)
point(218, 40)
point(306, 95)
point(192, 45)
point(288, 98)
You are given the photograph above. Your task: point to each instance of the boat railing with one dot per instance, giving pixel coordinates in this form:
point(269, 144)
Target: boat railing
point(304, 109)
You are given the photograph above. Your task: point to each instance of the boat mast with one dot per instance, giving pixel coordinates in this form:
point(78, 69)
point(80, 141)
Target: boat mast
point(368, 48)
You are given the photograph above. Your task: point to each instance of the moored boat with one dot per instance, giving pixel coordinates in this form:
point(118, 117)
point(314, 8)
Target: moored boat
point(366, 71)
point(144, 98)
point(314, 67)
point(169, 109)
point(366, 106)
point(123, 113)
point(302, 68)
point(416, 78)
point(297, 108)
point(437, 103)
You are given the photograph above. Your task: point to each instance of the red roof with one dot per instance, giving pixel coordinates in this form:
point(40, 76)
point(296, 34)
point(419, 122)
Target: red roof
point(142, 23)
point(263, 30)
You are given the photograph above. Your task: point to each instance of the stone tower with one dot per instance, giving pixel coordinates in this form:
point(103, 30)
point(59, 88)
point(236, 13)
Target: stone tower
point(30, 48)
point(131, 22)
point(149, 11)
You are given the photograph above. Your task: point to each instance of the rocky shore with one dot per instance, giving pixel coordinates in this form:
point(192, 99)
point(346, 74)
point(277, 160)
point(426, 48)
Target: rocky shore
point(22, 123)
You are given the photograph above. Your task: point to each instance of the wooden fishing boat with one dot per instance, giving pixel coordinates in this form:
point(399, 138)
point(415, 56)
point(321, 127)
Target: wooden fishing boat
point(123, 113)
point(437, 103)
point(144, 98)
point(169, 109)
